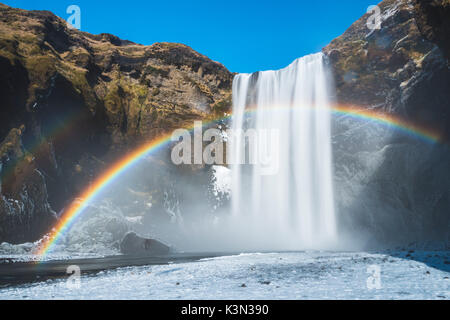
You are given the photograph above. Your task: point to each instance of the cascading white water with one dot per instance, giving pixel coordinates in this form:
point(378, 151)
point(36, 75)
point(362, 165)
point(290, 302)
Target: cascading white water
point(294, 204)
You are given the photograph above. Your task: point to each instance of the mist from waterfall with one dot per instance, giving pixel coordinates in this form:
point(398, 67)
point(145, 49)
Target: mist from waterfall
point(293, 207)
point(283, 201)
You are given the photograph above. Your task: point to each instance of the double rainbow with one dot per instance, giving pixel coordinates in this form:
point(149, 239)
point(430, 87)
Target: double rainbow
point(77, 208)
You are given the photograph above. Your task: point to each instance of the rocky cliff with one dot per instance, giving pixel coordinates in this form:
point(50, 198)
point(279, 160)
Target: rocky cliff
point(72, 101)
point(389, 187)
point(403, 67)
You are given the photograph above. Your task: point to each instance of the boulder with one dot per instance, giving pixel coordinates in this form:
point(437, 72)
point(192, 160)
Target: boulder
point(132, 244)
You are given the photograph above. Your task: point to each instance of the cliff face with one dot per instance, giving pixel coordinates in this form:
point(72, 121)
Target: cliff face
point(433, 21)
point(82, 99)
point(402, 68)
point(391, 188)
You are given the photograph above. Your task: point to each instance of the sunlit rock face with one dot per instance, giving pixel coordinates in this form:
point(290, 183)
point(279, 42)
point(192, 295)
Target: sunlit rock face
point(400, 68)
point(87, 99)
point(392, 188)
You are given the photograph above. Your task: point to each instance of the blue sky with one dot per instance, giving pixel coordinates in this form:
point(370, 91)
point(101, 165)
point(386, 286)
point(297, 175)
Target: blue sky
point(245, 36)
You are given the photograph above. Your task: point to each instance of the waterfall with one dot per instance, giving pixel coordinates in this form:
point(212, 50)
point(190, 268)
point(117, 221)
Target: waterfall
point(293, 204)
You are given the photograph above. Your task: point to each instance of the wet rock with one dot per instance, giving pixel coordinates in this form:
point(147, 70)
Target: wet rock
point(132, 244)
point(25, 213)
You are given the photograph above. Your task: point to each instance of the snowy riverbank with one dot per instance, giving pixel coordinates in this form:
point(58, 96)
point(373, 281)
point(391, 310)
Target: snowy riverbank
point(303, 275)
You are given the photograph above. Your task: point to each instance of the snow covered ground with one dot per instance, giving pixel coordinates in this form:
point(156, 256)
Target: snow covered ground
point(302, 275)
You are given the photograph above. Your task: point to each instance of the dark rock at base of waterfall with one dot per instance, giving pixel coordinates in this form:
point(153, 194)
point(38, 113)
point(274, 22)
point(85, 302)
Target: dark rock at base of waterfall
point(132, 244)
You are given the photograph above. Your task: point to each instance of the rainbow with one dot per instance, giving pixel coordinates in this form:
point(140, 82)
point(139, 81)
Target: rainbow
point(418, 131)
point(76, 209)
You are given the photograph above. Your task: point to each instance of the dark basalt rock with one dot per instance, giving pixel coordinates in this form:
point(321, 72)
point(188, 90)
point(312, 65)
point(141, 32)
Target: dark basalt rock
point(25, 213)
point(433, 20)
point(132, 244)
